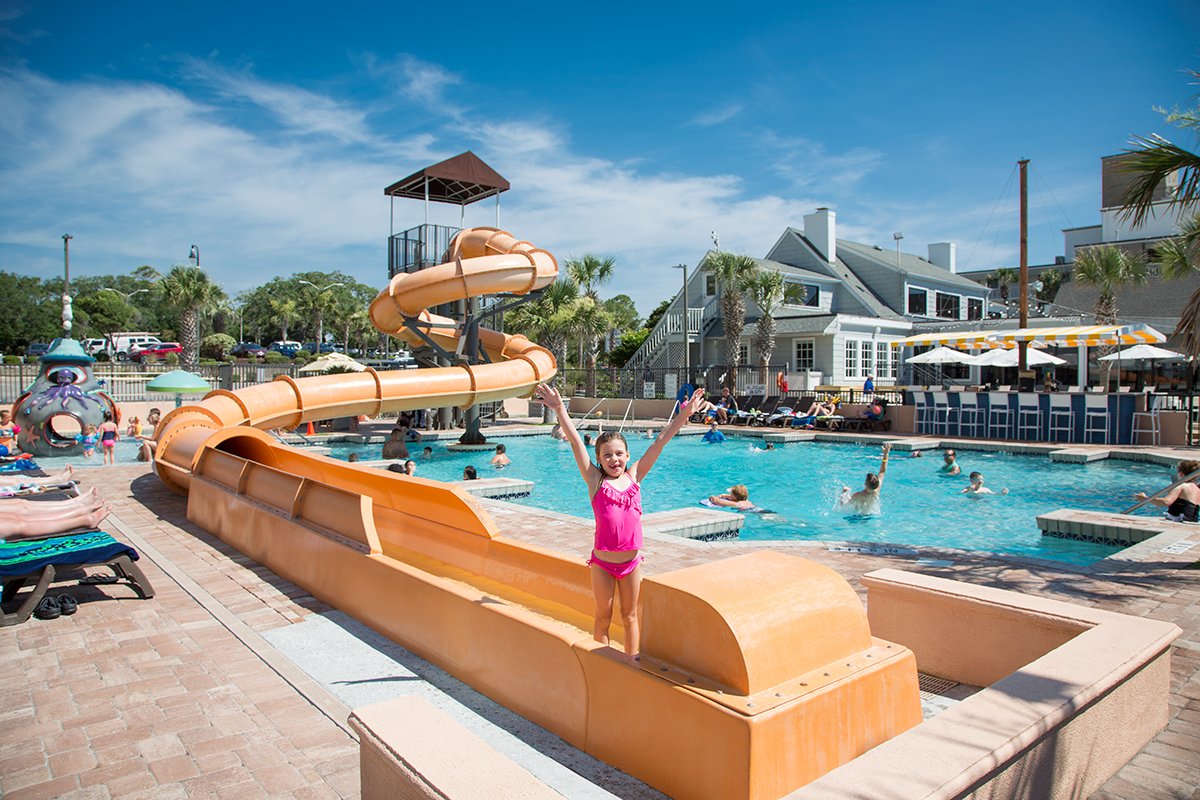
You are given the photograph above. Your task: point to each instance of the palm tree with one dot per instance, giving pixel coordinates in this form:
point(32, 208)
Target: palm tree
point(769, 290)
point(1108, 268)
point(733, 273)
point(1004, 278)
point(589, 272)
point(189, 292)
point(549, 319)
point(283, 313)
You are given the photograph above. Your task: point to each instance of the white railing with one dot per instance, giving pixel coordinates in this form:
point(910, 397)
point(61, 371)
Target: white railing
point(670, 327)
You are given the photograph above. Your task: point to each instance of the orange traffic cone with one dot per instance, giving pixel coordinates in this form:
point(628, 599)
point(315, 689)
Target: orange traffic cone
point(309, 431)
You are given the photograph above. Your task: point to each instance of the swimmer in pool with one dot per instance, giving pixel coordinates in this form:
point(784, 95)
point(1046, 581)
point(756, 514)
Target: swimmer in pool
point(977, 489)
point(737, 497)
point(866, 499)
point(950, 463)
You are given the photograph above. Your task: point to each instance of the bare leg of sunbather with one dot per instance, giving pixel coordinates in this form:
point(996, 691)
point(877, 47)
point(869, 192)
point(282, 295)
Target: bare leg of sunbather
point(10, 478)
point(16, 508)
point(13, 529)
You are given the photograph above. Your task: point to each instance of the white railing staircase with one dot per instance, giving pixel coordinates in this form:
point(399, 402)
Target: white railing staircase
point(667, 331)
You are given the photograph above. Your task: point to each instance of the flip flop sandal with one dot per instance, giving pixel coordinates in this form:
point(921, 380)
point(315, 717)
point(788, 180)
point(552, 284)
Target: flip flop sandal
point(48, 608)
point(68, 605)
point(97, 580)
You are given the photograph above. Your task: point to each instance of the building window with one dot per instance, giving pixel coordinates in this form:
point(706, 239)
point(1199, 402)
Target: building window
point(868, 358)
point(812, 295)
point(948, 305)
point(710, 285)
point(744, 355)
point(916, 302)
point(851, 358)
point(974, 308)
point(885, 365)
point(805, 355)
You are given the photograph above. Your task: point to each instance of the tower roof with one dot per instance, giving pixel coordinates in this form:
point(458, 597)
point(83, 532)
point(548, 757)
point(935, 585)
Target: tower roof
point(460, 180)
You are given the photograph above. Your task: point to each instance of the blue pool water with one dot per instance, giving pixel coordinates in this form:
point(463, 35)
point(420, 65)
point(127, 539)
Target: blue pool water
point(801, 482)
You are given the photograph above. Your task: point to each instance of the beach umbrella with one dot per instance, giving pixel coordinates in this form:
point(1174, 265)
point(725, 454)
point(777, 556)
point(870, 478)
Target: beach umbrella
point(179, 382)
point(1009, 358)
point(942, 355)
point(331, 360)
point(1142, 353)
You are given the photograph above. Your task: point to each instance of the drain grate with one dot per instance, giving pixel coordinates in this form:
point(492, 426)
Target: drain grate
point(931, 685)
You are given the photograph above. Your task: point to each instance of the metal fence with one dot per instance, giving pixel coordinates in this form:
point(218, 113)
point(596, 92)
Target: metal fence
point(126, 383)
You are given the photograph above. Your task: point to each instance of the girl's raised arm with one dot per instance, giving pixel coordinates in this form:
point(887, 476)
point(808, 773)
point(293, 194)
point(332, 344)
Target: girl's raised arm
point(550, 396)
point(643, 464)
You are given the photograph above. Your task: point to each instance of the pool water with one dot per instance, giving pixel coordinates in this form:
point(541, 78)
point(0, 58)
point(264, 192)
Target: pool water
point(801, 482)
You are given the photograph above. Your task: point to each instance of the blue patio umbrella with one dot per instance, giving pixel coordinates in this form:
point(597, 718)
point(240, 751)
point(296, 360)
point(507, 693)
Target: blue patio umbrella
point(179, 382)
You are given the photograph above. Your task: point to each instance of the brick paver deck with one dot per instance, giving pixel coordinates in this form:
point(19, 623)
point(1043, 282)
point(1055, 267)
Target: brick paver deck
point(179, 696)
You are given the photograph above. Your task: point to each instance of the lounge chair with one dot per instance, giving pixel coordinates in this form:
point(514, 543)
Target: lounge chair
point(745, 404)
point(765, 410)
point(41, 560)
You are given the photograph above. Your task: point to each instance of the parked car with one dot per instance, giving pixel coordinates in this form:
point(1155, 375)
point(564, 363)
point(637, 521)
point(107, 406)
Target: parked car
point(94, 346)
point(325, 348)
point(285, 349)
point(36, 350)
point(156, 351)
point(248, 350)
point(123, 345)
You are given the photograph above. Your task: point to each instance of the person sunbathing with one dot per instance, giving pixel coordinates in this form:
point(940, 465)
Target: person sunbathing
point(89, 501)
point(12, 478)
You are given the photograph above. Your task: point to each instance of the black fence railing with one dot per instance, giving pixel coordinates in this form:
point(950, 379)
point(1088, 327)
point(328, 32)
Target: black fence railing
point(419, 247)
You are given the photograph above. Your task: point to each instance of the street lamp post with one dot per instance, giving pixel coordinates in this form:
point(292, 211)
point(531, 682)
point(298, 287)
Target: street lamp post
point(687, 356)
point(67, 314)
point(194, 256)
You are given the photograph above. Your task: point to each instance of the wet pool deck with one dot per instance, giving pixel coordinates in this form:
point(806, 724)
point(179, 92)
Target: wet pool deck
point(224, 684)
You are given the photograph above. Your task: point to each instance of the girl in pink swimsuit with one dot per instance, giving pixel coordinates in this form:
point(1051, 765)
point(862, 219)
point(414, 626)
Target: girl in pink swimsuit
point(614, 486)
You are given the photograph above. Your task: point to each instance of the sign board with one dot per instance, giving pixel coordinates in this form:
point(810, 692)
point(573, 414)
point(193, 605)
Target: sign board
point(670, 384)
point(648, 388)
point(756, 389)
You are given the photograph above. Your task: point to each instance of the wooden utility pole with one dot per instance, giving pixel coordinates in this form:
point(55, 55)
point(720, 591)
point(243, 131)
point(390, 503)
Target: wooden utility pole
point(1023, 347)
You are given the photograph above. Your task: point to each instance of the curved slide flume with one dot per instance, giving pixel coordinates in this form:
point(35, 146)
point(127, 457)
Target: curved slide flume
point(481, 261)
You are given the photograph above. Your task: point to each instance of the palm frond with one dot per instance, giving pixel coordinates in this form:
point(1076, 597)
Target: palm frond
point(1154, 160)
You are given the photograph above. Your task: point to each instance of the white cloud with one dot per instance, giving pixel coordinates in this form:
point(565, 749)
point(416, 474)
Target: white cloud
point(806, 163)
point(717, 115)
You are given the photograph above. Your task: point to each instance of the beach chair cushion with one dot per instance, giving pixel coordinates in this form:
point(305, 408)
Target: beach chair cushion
point(41, 559)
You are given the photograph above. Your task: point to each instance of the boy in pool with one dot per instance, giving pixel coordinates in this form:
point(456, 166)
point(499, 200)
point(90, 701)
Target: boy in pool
point(866, 499)
point(977, 489)
point(737, 497)
point(427, 453)
point(713, 436)
point(501, 459)
point(950, 463)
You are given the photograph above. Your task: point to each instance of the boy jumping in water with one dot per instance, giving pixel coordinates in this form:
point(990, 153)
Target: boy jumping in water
point(866, 499)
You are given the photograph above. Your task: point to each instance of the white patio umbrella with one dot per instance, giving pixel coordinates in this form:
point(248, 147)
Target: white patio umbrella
point(1009, 358)
point(331, 360)
point(1143, 353)
point(942, 355)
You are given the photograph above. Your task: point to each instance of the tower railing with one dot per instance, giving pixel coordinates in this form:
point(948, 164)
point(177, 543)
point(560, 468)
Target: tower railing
point(418, 248)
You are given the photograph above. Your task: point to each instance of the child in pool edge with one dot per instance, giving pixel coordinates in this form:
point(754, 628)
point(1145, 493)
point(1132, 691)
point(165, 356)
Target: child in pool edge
point(615, 490)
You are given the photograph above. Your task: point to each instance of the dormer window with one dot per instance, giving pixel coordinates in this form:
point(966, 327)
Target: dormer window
point(917, 302)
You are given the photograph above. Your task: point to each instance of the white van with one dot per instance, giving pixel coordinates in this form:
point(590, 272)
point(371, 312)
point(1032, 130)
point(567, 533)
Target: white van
point(122, 345)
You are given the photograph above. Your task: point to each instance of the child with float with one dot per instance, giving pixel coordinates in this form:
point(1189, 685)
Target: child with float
point(614, 486)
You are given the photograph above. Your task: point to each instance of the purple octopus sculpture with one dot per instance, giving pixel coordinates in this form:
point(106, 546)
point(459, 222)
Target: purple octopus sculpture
point(62, 401)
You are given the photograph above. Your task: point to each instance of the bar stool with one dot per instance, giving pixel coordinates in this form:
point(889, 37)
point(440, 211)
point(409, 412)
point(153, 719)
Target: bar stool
point(1029, 415)
point(1096, 418)
point(942, 411)
point(923, 409)
point(998, 413)
point(1148, 421)
point(1061, 410)
point(969, 408)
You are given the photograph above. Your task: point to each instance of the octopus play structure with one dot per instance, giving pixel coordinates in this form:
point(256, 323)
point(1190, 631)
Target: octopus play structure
point(64, 399)
point(759, 673)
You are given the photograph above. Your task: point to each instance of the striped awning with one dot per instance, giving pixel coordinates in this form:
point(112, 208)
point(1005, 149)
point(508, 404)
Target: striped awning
point(1072, 336)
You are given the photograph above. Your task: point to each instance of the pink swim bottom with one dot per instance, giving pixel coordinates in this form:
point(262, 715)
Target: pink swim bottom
point(618, 571)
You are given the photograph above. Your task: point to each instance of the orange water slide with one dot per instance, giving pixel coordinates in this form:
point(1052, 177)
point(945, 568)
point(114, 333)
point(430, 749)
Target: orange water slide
point(480, 261)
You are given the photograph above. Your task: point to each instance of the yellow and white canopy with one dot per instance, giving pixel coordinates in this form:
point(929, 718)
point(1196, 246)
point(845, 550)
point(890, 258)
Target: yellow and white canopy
point(1073, 336)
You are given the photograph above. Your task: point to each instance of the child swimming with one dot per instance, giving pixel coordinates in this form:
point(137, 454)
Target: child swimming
point(977, 489)
point(737, 497)
point(866, 499)
point(501, 459)
point(614, 487)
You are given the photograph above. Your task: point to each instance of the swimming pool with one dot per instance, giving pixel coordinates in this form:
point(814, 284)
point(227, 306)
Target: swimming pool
point(801, 482)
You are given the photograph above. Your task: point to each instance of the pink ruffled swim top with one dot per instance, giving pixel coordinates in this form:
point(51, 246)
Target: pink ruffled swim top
point(618, 517)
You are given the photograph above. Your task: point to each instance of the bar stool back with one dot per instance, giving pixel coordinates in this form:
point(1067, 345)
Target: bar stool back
point(1148, 421)
point(1096, 418)
point(999, 415)
point(1062, 417)
point(1029, 416)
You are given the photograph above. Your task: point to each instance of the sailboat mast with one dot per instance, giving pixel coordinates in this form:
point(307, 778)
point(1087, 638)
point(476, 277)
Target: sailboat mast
point(1023, 347)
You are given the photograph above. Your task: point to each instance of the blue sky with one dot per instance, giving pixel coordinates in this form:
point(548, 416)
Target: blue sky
point(265, 133)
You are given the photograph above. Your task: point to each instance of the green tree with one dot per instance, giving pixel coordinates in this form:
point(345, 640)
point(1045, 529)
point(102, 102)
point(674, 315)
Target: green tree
point(191, 294)
point(768, 289)
point(590, 272)
point(1005, 277)
point(547, 320)
point(627, 344)
point(107, 312)
point(217, 346)
point(1051, 280)
point(659, 311)
point(733, 273)
point(1108, 269)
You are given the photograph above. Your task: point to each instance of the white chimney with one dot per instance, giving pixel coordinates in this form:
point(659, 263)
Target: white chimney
point(941, 254)
point(820, 228)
